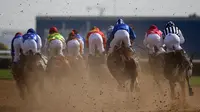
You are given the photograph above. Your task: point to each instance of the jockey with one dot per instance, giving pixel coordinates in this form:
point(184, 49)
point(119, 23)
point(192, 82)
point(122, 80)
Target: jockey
point(121, 32)
point(31, 41)
point(15, 50)
point(110, 29)
point(95, 38)
point(74, 46)
point(80, 38)
point(153, 38)
point(16, 46)
point(172, 37)
point(55, 42)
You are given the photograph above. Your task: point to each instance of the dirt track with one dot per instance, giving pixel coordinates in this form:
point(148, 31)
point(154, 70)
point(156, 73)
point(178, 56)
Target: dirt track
point(75, 95)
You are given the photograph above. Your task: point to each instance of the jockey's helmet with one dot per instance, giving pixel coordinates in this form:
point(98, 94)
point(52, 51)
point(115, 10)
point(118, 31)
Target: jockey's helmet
point(153, 27)
point(120, 21)
point(71, 34)
point(18, 33)
point(53, 30)
point(95, 28)
point(75, 31)
point(31, 30)
point(170, 23)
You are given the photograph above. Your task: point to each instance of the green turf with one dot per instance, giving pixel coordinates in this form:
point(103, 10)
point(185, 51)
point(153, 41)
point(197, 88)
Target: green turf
point(5, 74)
point(195, 81)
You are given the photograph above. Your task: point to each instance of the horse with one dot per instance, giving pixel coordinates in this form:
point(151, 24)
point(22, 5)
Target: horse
point(156, 62)
point(96, 65)
point(123, 65)
point(17, 72)
point(77, 63)
point(30, 72)
point(176, 69)
point(58, 67)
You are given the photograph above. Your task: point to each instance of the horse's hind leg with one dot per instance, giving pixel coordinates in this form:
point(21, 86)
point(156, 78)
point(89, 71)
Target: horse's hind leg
point(157, 82)
point(21, 88)
point(40, 78)
point(172, 88)
point(30, 83)
point(183, 94)
point(121, 85)
point(134, 84)
point(191, 93)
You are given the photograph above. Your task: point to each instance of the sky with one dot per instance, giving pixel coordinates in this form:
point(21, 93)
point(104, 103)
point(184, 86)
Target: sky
point(20, 14)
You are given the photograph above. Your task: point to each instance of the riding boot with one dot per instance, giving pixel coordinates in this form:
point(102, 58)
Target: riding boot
point(160, 51)
point(130, 49)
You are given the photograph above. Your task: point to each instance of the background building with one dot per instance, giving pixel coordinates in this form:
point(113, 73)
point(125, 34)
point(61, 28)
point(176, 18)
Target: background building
point(190, 27)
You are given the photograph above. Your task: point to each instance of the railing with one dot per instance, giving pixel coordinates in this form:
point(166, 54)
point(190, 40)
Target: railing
point(194, 61)
point(5, 54)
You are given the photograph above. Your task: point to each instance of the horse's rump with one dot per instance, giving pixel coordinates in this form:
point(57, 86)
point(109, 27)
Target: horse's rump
point(175, 64)
point(123, 61)
point(57, 64)
point(34, 62)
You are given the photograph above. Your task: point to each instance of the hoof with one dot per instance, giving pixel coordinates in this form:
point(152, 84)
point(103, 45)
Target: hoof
point(22, 96)
point(191, 93)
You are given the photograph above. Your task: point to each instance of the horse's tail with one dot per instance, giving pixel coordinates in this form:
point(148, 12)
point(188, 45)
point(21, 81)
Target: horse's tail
point(30, 52)
point(192, 57)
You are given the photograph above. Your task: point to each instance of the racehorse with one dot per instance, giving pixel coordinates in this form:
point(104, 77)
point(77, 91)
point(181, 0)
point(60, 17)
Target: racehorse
point(30, 72)
point(156, 62)
point(58, 67)
point(177, 69)
point(77, 64)
point(19, 76)
point(96, 65)
point(123, 65)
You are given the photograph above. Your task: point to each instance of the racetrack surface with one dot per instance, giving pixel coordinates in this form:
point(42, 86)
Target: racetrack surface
point(78, 93)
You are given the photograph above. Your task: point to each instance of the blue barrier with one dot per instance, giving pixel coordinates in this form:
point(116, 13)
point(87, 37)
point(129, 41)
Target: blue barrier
point(190, 27)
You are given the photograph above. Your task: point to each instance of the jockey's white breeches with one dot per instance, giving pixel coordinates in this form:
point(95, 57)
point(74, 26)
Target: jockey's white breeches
point(120, 35)
point(172, 42)
point(154, 40)
point(17, 46)
point(73, 48)
point(30, 44)
point(56, 47)
point(96, 43)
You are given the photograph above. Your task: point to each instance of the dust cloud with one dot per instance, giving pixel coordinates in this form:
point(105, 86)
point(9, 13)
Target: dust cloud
point(98, 92)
